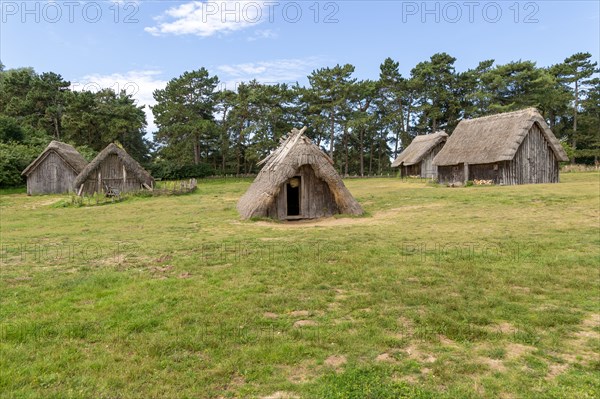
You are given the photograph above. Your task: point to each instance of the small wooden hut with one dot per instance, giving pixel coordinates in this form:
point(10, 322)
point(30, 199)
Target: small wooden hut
point(510, 148)
point(54, 170)
point(113, 168)
point(297, 181)
point(417, 158)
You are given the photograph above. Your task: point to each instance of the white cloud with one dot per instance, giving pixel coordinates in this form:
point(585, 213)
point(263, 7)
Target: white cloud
point(274, 71)
point(263, 34)
point(140, 84)
point(207, 18)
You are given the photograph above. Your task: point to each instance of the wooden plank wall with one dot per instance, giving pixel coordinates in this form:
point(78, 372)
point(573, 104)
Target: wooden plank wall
point(111, 173)
point(316, 200)
point(428, 169)
point(534, 161)
point(52, 176)
point(488, 171)
point(278, 208)
point(451, 173)
point(411, 170)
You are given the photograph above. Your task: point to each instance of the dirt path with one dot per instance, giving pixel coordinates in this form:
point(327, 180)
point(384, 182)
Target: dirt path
point(377, 218)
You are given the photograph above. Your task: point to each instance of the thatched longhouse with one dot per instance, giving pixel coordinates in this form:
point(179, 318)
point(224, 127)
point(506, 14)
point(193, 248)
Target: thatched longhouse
point(113, 167)
point(510, 148)
point(297, 181)
point(417, 158)
point(54, 170)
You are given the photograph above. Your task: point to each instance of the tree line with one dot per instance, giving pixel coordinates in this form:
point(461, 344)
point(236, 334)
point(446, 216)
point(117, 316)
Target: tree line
point(361, 124)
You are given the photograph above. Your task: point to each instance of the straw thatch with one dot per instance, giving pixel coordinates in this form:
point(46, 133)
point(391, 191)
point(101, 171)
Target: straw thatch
point(54, 170)
point(297, 155)
point(132, 173)
point(66, 152)
point(419, 148)
point(494, 138)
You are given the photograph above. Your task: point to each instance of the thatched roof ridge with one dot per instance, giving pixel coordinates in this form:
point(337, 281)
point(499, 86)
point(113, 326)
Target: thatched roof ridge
point(131, 164)
point(68, 153)
point(418, 148)
point(494, 138)
point(282, 164)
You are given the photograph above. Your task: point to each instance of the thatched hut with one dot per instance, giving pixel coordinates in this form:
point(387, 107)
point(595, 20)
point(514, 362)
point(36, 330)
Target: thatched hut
point(54, 170)
point(510, 148)
point(417, 158)
point(297, 181)
point(114, 168)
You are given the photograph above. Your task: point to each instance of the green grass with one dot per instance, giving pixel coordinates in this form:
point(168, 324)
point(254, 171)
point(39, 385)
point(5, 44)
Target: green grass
point(13, 190)
point(476, 292)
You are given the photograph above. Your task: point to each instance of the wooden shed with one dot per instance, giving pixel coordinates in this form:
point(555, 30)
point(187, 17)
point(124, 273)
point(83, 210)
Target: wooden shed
point(54, 170)
point(297, 181)
point(417, 158)
point(510, 148)
point(113, 167)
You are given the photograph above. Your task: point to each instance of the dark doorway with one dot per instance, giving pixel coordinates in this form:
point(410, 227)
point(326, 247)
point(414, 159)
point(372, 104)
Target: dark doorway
point(293, 196)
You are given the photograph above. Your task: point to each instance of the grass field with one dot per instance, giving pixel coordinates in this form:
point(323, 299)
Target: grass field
point(477, 292)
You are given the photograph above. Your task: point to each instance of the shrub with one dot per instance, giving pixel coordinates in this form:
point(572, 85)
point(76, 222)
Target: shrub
point(14, 158)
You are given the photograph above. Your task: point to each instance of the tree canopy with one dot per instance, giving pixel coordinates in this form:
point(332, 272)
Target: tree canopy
point(361, 124)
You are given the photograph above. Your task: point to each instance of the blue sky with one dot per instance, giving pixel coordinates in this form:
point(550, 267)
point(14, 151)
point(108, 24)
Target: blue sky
point(140, 45)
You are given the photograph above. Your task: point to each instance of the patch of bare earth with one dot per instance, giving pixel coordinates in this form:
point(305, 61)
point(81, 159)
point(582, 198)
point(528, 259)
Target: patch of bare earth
point(270, 315)
point(340, 294)
point(515, 351)
point(161, 272)
point(281, 395)
point(385, 357)
point(300, 313)
point(336, 361)
point(163, 259)
point(504, 328)
point(577, 348)
point(305, 323)
point(301, 373)
point(37, 201)
point(447, 341)
point(495, 365)
point(556, 369)
point(593, 321)
point(415, 353)
point(381, 217)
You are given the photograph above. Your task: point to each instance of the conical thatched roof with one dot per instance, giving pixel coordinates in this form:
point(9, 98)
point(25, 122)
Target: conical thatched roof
point(418, 148)
point(494, 138)
point(282, 164)
point(70, 155)
point(131, 164)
